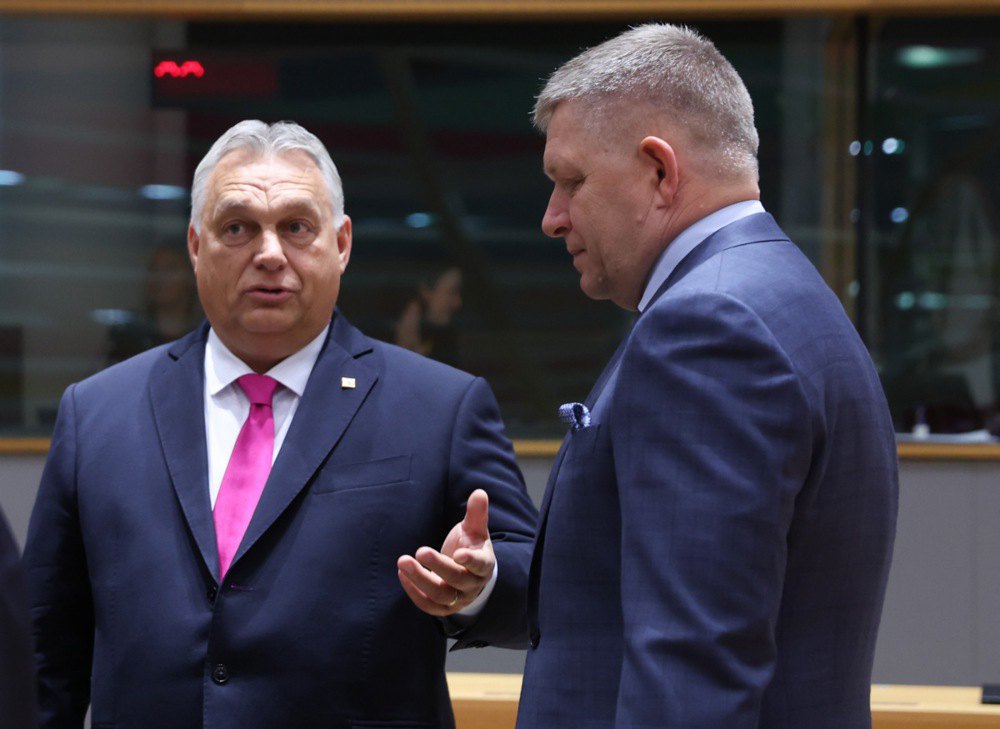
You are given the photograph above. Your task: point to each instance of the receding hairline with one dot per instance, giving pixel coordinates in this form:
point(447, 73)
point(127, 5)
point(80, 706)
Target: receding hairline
point(236, 200)
point(256, 139)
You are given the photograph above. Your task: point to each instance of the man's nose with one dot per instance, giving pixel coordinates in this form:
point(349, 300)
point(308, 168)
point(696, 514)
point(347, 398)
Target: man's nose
point(555, 222)
point(271, 254)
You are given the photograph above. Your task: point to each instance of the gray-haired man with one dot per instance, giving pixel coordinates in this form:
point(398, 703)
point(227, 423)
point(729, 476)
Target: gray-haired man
point(217, 536)
point(714, 545)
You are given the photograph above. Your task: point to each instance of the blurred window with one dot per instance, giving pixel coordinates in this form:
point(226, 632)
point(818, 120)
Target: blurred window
point(102, 122)
point(931, 211)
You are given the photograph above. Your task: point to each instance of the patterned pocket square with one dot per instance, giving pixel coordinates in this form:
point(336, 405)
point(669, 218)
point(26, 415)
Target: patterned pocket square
point(575, 414)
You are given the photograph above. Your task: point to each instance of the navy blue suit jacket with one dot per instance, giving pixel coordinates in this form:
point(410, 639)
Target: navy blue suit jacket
point(714, 548)
point(17, 696)
point(310, 627)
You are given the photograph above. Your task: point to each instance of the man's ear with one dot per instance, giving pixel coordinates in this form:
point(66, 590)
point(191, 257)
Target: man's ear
point(194, 243)
point(658, 153)
point(344, 243)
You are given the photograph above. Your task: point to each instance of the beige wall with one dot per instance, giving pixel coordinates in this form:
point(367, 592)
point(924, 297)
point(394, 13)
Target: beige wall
point(940, 622)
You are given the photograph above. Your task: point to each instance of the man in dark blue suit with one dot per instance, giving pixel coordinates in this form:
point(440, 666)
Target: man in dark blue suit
point(716, 534)
point(217, 536)
point(17, 697)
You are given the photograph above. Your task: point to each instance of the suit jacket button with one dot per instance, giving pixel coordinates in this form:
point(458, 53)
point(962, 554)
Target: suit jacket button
point(221, 674)
point(212, 592)
point(535, 637)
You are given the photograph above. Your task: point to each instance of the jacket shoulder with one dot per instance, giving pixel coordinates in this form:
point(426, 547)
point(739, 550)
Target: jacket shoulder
point(123, 377)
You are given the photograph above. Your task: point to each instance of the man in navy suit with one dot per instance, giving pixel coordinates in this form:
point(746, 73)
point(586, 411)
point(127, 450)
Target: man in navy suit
point(17, 698)
point(217, 536)
point(716, 534)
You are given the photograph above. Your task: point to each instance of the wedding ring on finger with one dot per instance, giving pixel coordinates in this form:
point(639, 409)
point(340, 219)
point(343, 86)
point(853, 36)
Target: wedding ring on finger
point(454, 600)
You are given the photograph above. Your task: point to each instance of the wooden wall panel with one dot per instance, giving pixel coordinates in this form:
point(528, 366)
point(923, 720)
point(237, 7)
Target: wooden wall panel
point(486, 10)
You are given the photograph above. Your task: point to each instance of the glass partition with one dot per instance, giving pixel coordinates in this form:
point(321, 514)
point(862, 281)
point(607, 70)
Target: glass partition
point(931, 155)
point(878, 157)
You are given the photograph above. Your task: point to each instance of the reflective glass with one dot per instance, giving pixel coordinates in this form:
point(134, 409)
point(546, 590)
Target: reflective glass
point(104, 121)
point(930, 157)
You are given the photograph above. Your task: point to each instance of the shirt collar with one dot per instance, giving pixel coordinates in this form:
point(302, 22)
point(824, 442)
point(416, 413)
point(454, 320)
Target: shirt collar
point(222, 367)
point(688, 240)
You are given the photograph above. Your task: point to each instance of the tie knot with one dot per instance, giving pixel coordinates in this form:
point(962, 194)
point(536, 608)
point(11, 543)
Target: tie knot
point(258, 388)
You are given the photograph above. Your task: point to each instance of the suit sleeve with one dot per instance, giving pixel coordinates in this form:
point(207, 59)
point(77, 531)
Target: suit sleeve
point(482, 457)
point(61, 603)
point(711, 439)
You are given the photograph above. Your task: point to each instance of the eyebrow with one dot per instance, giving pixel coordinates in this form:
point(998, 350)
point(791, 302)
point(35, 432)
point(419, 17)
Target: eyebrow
point(556, 166)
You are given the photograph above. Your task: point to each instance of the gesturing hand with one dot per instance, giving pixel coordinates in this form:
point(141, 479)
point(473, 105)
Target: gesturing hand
point(442, 583)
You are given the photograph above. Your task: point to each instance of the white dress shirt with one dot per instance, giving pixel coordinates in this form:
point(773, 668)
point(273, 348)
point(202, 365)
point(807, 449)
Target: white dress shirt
point(227, 407)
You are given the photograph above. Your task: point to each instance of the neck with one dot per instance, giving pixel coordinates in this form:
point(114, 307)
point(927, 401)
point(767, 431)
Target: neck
point(261, 355)
point(697, 202)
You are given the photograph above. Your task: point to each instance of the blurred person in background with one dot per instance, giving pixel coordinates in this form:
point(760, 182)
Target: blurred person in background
point(170, 307)
point(427, 324)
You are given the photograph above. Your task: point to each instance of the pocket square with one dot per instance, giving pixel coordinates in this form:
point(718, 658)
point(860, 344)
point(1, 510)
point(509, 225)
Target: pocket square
point(575, 414)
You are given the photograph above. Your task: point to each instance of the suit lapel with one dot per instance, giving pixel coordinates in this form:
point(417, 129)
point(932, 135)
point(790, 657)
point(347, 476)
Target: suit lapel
point(543, 510)
point(595, 393)
point(535, 570)
point(325, 411)
point(609, 368)
point(550, 487)
point(177, 395)
point(758, 228)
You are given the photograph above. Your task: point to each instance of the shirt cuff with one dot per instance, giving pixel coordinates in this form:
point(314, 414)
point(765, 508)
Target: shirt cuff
point(465, 616)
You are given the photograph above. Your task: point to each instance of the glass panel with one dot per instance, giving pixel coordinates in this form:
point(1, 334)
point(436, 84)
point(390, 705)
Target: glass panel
point(933, 153)
point(429, 125)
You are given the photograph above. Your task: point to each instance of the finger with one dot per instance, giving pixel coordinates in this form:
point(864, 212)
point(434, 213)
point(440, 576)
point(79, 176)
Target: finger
point(420, 599)
point(458, 576)
point(479, 562)
point(477, 511)
point(428, 583)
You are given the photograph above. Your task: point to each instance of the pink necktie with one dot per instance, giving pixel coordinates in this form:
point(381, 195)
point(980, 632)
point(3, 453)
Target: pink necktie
point(247, 471)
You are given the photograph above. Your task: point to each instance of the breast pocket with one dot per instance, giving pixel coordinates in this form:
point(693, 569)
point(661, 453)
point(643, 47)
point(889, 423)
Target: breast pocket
point(583, 442)
point(347, 476)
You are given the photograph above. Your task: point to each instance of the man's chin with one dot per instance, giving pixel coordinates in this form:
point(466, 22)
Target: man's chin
point(268, 321)
point(593, 290)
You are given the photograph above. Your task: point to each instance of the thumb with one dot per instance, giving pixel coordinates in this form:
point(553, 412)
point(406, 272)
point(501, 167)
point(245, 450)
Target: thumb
point(476, 522)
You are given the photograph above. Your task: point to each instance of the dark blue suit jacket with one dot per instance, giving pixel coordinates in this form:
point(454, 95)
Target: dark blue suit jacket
point(17, 695)
point(311, 627)
point(714, 548)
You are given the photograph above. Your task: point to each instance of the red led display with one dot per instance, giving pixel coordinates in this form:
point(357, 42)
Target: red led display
point(171, 69)
point(215, 75)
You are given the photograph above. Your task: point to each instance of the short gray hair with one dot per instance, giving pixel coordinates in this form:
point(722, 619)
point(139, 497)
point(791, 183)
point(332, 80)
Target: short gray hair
point(264, 139)
point(675, 70)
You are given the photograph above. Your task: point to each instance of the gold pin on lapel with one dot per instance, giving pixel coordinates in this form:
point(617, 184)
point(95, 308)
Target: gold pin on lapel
point(347, 383)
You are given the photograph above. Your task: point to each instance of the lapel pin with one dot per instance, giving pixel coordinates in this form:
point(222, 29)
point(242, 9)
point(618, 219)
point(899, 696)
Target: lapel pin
point(347, 383)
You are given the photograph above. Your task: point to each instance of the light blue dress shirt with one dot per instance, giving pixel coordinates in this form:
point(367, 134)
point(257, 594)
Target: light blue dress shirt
point(688, 240)
point(672, 255)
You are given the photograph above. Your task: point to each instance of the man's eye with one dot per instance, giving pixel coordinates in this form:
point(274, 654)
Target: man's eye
point(299, 227)
point(234, 228)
